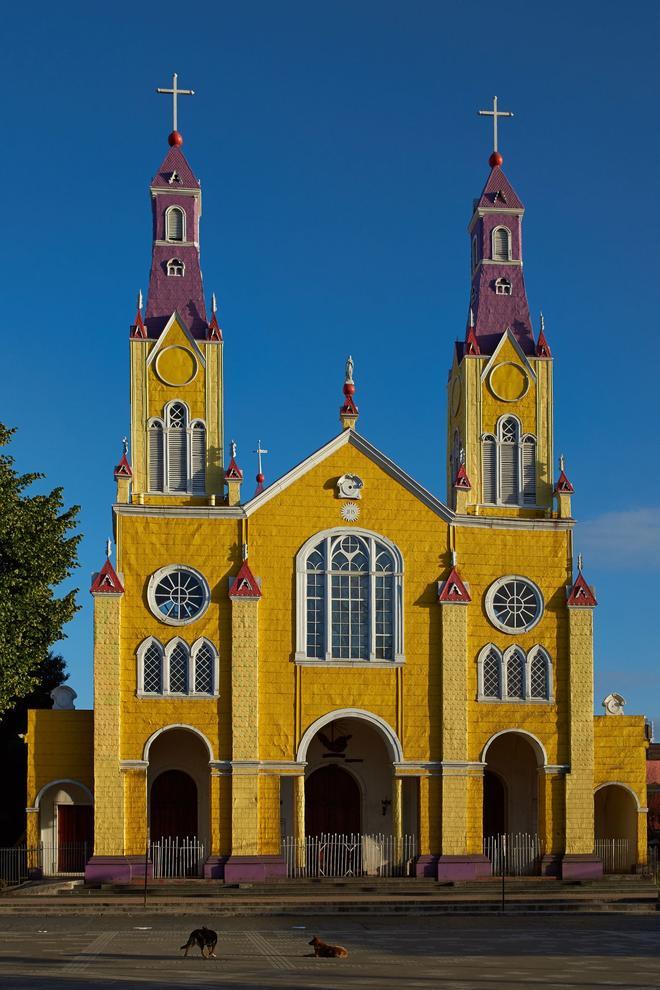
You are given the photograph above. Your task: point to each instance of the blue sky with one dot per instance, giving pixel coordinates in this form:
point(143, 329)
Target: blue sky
point(339, 151)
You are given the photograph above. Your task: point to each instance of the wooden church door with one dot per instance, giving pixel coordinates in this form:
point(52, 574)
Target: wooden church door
point(75, 836)
point(173, 806)
point(332, 802)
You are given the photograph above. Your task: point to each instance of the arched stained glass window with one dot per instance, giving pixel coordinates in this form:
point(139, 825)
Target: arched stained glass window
point(352, 588)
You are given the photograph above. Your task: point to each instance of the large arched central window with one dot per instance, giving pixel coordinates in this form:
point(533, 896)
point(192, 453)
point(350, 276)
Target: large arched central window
point(349, 599)
point(177, 452)
point(508, 465)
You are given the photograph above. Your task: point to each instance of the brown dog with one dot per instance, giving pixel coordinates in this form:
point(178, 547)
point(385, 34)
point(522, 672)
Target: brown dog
point(322, 948)
point(205, 939)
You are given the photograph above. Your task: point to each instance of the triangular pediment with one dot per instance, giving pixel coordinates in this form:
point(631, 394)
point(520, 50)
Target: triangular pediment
point(175, 331)
point(356, 440)
point(508, 349)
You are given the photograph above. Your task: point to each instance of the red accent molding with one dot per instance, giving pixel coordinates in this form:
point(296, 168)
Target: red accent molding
point(471, 343)
point(214, 333)
point(123, 469)
point(106, 582)
point(233, 472)
point(461, 480)
point(138, 330)
point(245, 584)
point(543, 347)
point(454, 590)
point(563, 486)
point(581, 595)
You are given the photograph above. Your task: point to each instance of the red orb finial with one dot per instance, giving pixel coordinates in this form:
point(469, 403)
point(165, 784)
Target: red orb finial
point(261, 478)
point(175, 139)
point(495, 159)
point(349, 388)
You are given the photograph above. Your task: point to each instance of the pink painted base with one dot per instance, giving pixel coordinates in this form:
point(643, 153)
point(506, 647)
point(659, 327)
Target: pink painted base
point(116, 869)
point(214, 868)
point(254, 869)
point(459, 868)
point(427, 866)
point(586, 867)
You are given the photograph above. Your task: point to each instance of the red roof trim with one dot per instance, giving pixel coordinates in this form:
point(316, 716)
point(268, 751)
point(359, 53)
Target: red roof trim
point(542, 346)
point(349, 408)
point(581, 595)
point(462, 480)
point(245, 584)
point(138, 330)
point(233, 472)
point(454, 590)
point(214, 333)
point(563, 486)
point(106, 582)
point(471, 342)
point(123, 469)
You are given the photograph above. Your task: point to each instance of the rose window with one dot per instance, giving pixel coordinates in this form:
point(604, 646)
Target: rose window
point(514, 604)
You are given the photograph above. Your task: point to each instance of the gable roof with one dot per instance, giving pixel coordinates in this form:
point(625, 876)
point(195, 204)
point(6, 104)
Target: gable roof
point(498, 193)
point(106, 582)
point(245, 585)
point(349, 436)
point(175, 161)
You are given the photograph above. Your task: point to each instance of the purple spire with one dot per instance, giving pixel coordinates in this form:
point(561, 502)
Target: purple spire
point(498, 296)
point(175, 281)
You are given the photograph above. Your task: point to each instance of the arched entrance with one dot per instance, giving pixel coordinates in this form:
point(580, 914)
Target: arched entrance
point(178, 785)
point(173, 806)
point(66, 818)
point(615, 823)
point(332, 802)
point(511, 784)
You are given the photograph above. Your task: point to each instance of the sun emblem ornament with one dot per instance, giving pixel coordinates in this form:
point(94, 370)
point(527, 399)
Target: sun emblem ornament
point(349, 486)
point(350, 512)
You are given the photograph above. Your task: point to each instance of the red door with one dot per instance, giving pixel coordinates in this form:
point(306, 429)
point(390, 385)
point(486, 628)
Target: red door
point(173, 806)
point(75, 833)
point(332, 802)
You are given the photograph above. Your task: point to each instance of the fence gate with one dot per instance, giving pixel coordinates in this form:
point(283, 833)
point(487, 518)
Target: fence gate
point(516, 855)
point(616, 855)
point(177, 857)
point(353, 855)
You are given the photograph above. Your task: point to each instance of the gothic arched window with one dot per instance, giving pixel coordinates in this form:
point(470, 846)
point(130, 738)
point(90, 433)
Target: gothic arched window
point(175, 224)
point(177, 444)
point(349, 598)
point(509, 460)
point(177, 669)
point(540, 674)
point(514, 666)
point(501, 244)
point(490, 673)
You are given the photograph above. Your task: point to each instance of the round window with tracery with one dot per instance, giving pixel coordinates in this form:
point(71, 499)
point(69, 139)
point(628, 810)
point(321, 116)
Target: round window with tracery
point(514, 604)
point(177, 594)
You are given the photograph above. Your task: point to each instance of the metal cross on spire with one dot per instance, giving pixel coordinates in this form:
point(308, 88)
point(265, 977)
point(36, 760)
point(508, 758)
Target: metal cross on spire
point(494, 113)
point(259, 451)
point(175, 92)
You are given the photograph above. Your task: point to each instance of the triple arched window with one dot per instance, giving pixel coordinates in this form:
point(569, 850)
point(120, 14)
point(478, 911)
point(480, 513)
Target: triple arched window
point(349, 598)
point(177, 452)
point(508, 465)
point(501, 244)
point(177, 668)
point(175, 224)
point(513, 675)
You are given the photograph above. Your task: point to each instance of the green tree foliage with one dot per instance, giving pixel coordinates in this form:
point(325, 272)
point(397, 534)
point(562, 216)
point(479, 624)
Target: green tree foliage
point(50, 673)
point(38, 550)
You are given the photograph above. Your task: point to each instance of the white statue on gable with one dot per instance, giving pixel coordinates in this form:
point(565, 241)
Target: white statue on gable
point(613, 704)
point(350, 486)
point(63, 698)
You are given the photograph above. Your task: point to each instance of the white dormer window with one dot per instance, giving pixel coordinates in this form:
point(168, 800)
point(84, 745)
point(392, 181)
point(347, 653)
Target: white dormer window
point(176, 267)
point(175, 178)
point(501, 244)
point(502, 287)
point(175, 224)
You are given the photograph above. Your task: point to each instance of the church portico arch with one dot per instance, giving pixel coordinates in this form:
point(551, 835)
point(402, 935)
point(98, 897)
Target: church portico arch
point(178, 784)
point(65, 825)
point(512, 759)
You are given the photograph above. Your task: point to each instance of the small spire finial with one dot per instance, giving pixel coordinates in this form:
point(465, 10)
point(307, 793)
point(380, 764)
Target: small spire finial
point(214, 304)
point(259, 452)
point(232, 447)
point(562, 462)
point(139, 301)
point(175, 138)
point(471, 317)
point(124, 445)
point(349, 370)
point(580, 562)
point(108, 549)
point(542, 321)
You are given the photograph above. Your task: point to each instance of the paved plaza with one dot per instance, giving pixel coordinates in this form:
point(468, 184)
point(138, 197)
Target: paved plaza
point(498, 953)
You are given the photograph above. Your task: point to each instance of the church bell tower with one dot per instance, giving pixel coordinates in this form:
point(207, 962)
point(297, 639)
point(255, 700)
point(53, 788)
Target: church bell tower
point(500, 446)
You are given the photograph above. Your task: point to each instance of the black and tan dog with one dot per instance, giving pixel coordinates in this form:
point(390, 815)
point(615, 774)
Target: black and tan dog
point(205, 939)
point(322, 948)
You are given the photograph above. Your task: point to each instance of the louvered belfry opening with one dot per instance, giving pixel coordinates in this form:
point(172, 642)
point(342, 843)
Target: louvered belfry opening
point(175, 224)
point(509, 481)
point(177, 474)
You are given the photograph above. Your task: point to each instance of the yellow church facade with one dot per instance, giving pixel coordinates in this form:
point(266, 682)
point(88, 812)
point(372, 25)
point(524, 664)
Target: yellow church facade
point(340, 652)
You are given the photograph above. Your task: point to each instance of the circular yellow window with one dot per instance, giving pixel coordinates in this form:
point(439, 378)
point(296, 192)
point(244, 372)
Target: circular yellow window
point(176, 365)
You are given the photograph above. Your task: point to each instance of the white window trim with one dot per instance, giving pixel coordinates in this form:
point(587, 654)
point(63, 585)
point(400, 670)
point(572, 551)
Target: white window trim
point(165, 653)
point(501, 226)
point(163, 572)
point(179, 261)
point(506, 656)
point(190, 425)
point(140, 653)
point(171, 240)
point(504, 699)
point(150, 423)
point(370, 538)
point(502, 281)
point(497, 440)
point(494, 588)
